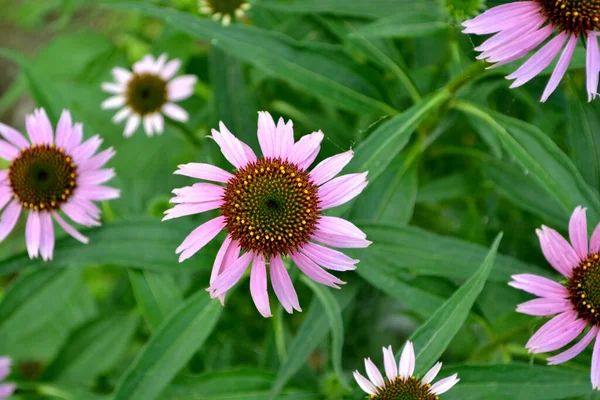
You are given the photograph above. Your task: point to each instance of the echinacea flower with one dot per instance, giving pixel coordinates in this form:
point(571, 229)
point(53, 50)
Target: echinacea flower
point(577, 302)
point(147, 93)
point(400, 382)
point(521, 26)
point(6, 389)
point(49, 174)
point(224, 10)
point(271, 208)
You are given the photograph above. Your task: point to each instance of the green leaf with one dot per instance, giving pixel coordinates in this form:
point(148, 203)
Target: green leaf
point(357, 8)
point(147, 244)
point(34, 299)
point(406, 25)
point(432, 338)
point(93, 349)
point(170, 348)
point(240, 383)
point(280, 56)
point(156, 295)
point(517, 381)
point(336, 324)
point(411, 249)
point(541, 158)
point(444, 189)
point(312, 332)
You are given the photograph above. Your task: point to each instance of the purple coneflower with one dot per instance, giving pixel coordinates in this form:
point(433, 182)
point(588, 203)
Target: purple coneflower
point(400, 382)
point(521, 26)
point(271, 207)
point(147, 93)
point(50, 173)
point(6, 389)
point(577, 302)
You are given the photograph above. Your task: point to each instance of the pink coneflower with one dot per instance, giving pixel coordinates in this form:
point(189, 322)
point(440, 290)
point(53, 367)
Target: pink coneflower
point(522, 26)
point(48, 174)
point(271, 207)
point(400, 382)
point(577, 303)
point(147, 93)
point(6, 389)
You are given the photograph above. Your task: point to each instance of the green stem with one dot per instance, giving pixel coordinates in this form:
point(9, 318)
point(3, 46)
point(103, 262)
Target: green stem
point(469, 75)
point(279, 335)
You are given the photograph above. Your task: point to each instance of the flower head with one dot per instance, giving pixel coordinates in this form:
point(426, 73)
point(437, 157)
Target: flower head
point(6, 389)
point(271, 207)
point(577, 302)
point(521, 26)
point(224, 10)
point(400, 382)
point(51, 173)
point(147, 93)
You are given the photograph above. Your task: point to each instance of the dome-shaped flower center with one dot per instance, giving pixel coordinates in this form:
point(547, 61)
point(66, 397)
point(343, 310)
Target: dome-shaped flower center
point(405, 389)
point(572, 16)
point(146, 93)
point(225, 7)
point(270, 207)
point(42, 177)
point(584, 287)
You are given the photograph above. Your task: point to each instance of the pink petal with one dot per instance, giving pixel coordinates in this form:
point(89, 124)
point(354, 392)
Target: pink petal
point(5, 364)
point(96, 177)
point(539, 286)
point(3, 176)
point(341, 190)
point(364, 383)
point(113, 88)
point(181, 87)
point(545, 306)
point(258, 286)
point(519, 48)
point(63, 129)
point(181, 210)
point(98, 193)
point(44, 127)
point(113, 102)
point(198, 193)
point(444, 385)
point(340, 241)
point(46, 236)
point(592, 65)
point(432, 373)
point(550, 327)
point(76, 212)
point(171, 69)
point(560, 69)
point(328, 258)
point(338, 226)
point(204, 171)
point(231, 276)
point(539, 61)
point(9, 218)
point(576, 349)
point(495, 20)
point(98, 161)
point(578, 232)
point(6, 195)
point(282, 285)
point(330, 167)
point(144, 65)
point(231, 147)
point(122, 75)
point(560, 338)
point(373, 373)
point(159, 123)
point(8, 151)
point(32, 234)
point(266, 134)
point(148, 125)
point(557, 251)
point(491, 14)
point(175, 112)
point(406, 366)
point(13, 136)
point(314, 272)
point(284, 139)
point(391, 369)
point(595, 373)
point(306, 149)
point(75, 138)
point(69, 229)
point(506, 37)
point(87, 149)
point(227, 255)
point(6, 390)
point(595, 240)
point(159, 64)
point(200, 237)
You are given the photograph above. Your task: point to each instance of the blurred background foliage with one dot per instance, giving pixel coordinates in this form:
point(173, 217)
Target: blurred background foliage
point(455, 157)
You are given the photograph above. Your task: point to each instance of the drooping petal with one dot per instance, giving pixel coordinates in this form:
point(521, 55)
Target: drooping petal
point(314, 272)
point(406, 366)
point(231, 276)
point(339, 226)
point(258, 286)
point(227, 255)
point(198, 193)
point(561, 68)
point(148, 125)
point(391, 368)
point(432, 373)
point(32, 234)
point(184, 209)
point(96, 177)
point(595, 372)
point(560, 338)
point(133, 122)
point(539, 286)
point(444, 385)
point(98, 193)
point(204, 171)
point(341, 190)
point(578, 232)
point(9, 218)
point(200, 237)
point(46, 236)
point(544, 306)
point(328, 258)
point(69, 229)
point(592, 62)
point(373, 373)
point(576, 349)
point(341, 241)
point(364, 383)
point(282, 285)
point(175, 112)
point(549, 328)
point(330, 167)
